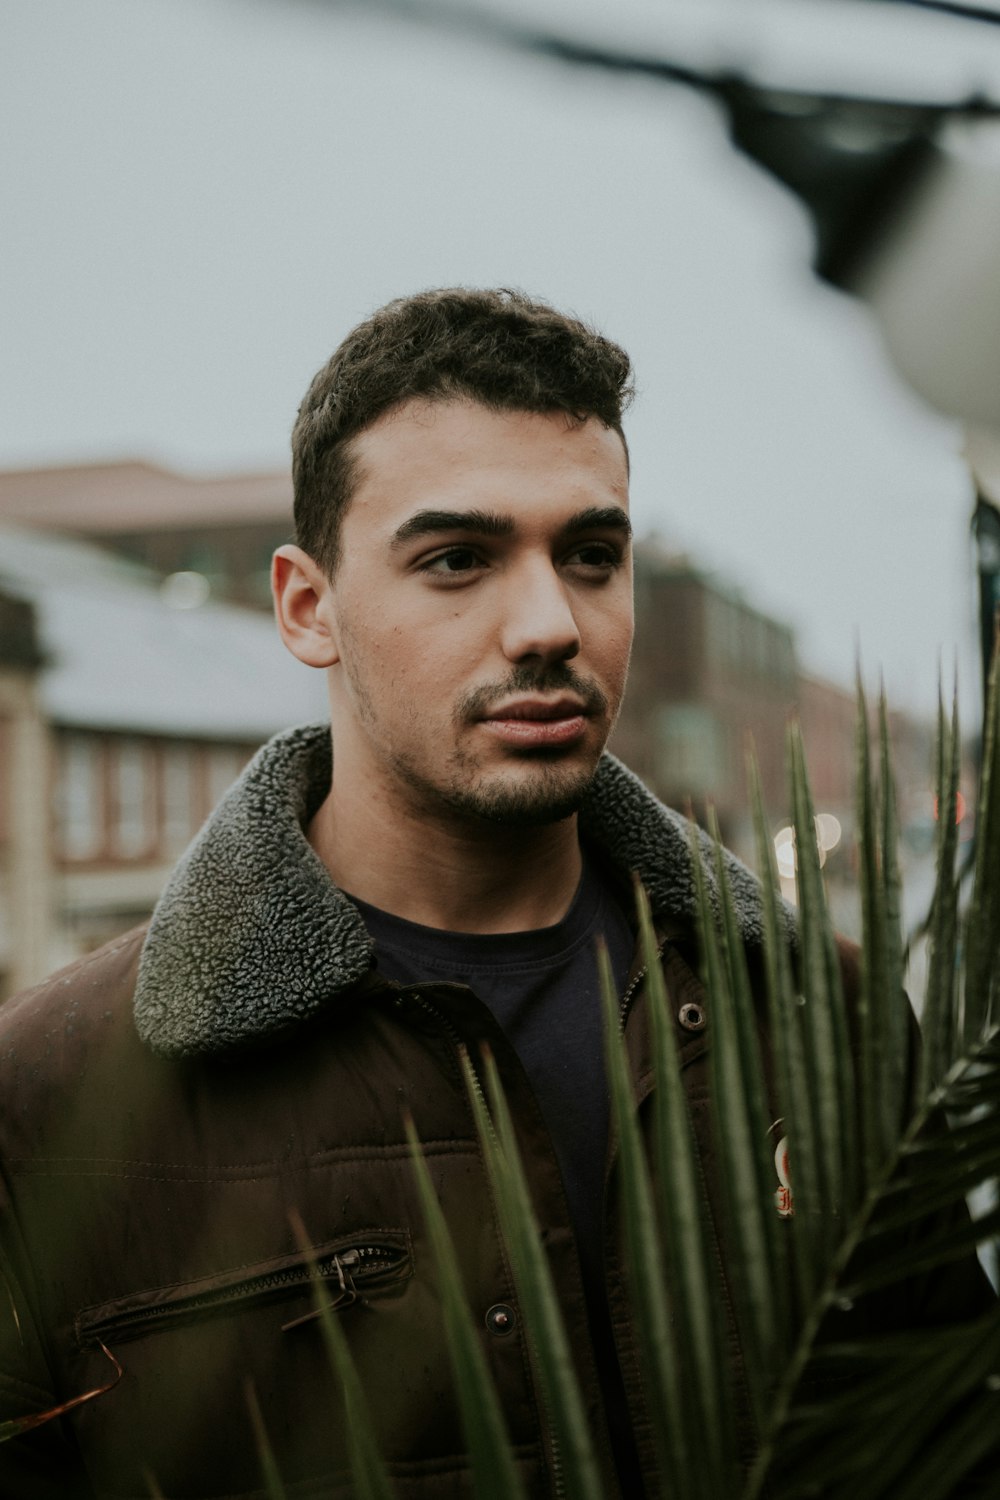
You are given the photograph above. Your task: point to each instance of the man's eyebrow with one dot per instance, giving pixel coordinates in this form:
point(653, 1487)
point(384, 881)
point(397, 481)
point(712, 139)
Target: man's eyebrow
point(600, 518)
point(492, 523)
point(430, 522)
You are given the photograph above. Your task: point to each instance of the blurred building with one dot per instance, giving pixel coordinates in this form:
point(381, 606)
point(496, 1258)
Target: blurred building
point(829, 718)
point(222, 529)
point(712, 675)
point(123, 719)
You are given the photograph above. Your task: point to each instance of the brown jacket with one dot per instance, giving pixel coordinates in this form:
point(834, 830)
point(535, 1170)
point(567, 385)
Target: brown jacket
point(170, 1104)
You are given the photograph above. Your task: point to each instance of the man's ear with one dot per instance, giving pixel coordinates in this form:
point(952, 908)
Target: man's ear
point(303, 607)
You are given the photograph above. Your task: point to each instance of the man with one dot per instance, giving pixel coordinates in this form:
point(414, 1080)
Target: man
point(177, 1103)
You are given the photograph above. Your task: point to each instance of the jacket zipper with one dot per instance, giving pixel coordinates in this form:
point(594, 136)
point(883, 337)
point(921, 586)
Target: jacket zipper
point(626, 1000)
point(455, 1038)
point(367, 1264)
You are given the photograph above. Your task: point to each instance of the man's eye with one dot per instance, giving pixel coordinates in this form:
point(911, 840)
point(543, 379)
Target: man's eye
point(597, 555)
point(454, 560)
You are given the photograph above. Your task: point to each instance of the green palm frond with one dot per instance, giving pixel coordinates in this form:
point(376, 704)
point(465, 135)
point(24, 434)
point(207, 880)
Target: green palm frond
point(494, 1472)
point(273, 1483)
point(890, 1407)
point(368, 1472)
point(571, 1444)
point(662, 1360)
point(695, 1324)
point(941, 1010)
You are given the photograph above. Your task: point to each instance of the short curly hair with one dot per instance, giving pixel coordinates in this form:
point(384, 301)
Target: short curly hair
point(499, 347)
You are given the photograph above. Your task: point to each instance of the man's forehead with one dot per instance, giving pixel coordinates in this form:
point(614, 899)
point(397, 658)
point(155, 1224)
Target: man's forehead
point(437, 446)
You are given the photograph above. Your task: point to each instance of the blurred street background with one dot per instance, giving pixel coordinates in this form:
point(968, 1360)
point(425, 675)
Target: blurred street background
point(201, 197)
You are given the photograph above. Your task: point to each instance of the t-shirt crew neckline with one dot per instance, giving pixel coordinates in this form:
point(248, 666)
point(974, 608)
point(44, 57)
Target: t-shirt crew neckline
point(464, 953)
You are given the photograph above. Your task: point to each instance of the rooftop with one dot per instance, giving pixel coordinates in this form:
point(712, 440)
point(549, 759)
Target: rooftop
point(119, 656)
point(132, 495)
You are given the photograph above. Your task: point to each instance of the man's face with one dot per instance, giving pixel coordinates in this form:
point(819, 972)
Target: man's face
point(481, 610)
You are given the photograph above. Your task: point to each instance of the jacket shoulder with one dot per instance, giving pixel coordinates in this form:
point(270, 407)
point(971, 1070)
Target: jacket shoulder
point(52, 1033)
point(108, 971)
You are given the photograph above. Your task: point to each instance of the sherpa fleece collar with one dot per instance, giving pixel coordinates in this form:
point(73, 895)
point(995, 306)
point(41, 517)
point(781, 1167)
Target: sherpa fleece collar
point(252, 936)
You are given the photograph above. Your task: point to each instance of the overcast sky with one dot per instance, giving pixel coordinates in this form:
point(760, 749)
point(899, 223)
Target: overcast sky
point(200, 197)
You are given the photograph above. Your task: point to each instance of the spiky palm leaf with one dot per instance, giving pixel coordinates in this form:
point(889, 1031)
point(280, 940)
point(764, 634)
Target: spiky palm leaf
point(893, 1407)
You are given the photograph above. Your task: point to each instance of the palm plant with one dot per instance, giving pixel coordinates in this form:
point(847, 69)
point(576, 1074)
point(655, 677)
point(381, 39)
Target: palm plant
point(887, 1140)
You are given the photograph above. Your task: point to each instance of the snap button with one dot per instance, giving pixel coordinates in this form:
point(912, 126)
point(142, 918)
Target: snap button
point(501, 1319)
point(691, 1017)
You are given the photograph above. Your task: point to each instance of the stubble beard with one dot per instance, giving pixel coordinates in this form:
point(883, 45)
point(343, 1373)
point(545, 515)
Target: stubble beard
point(553, 792)
point(552, 784)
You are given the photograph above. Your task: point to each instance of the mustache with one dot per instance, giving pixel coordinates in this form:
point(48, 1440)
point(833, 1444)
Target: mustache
point(555, 678)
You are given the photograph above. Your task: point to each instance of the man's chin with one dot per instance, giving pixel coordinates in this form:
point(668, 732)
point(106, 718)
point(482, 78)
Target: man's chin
point(548, 795)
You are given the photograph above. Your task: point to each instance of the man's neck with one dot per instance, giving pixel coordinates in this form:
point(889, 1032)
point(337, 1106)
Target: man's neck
point(458, 875)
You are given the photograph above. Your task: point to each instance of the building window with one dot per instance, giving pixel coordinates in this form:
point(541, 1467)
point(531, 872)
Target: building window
point(691, 751)
point(180, 811)
point(79, 798)
point(133, 832)
point(727, 630)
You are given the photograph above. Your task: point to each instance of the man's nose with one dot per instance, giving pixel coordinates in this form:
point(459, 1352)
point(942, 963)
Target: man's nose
point(538, 617)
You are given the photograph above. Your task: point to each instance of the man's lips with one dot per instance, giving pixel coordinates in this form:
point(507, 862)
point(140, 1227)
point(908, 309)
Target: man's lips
point(537, 722)
point(539, 709)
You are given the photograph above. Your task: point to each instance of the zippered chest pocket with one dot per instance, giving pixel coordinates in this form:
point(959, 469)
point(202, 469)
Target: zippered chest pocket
point(368, 1263)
